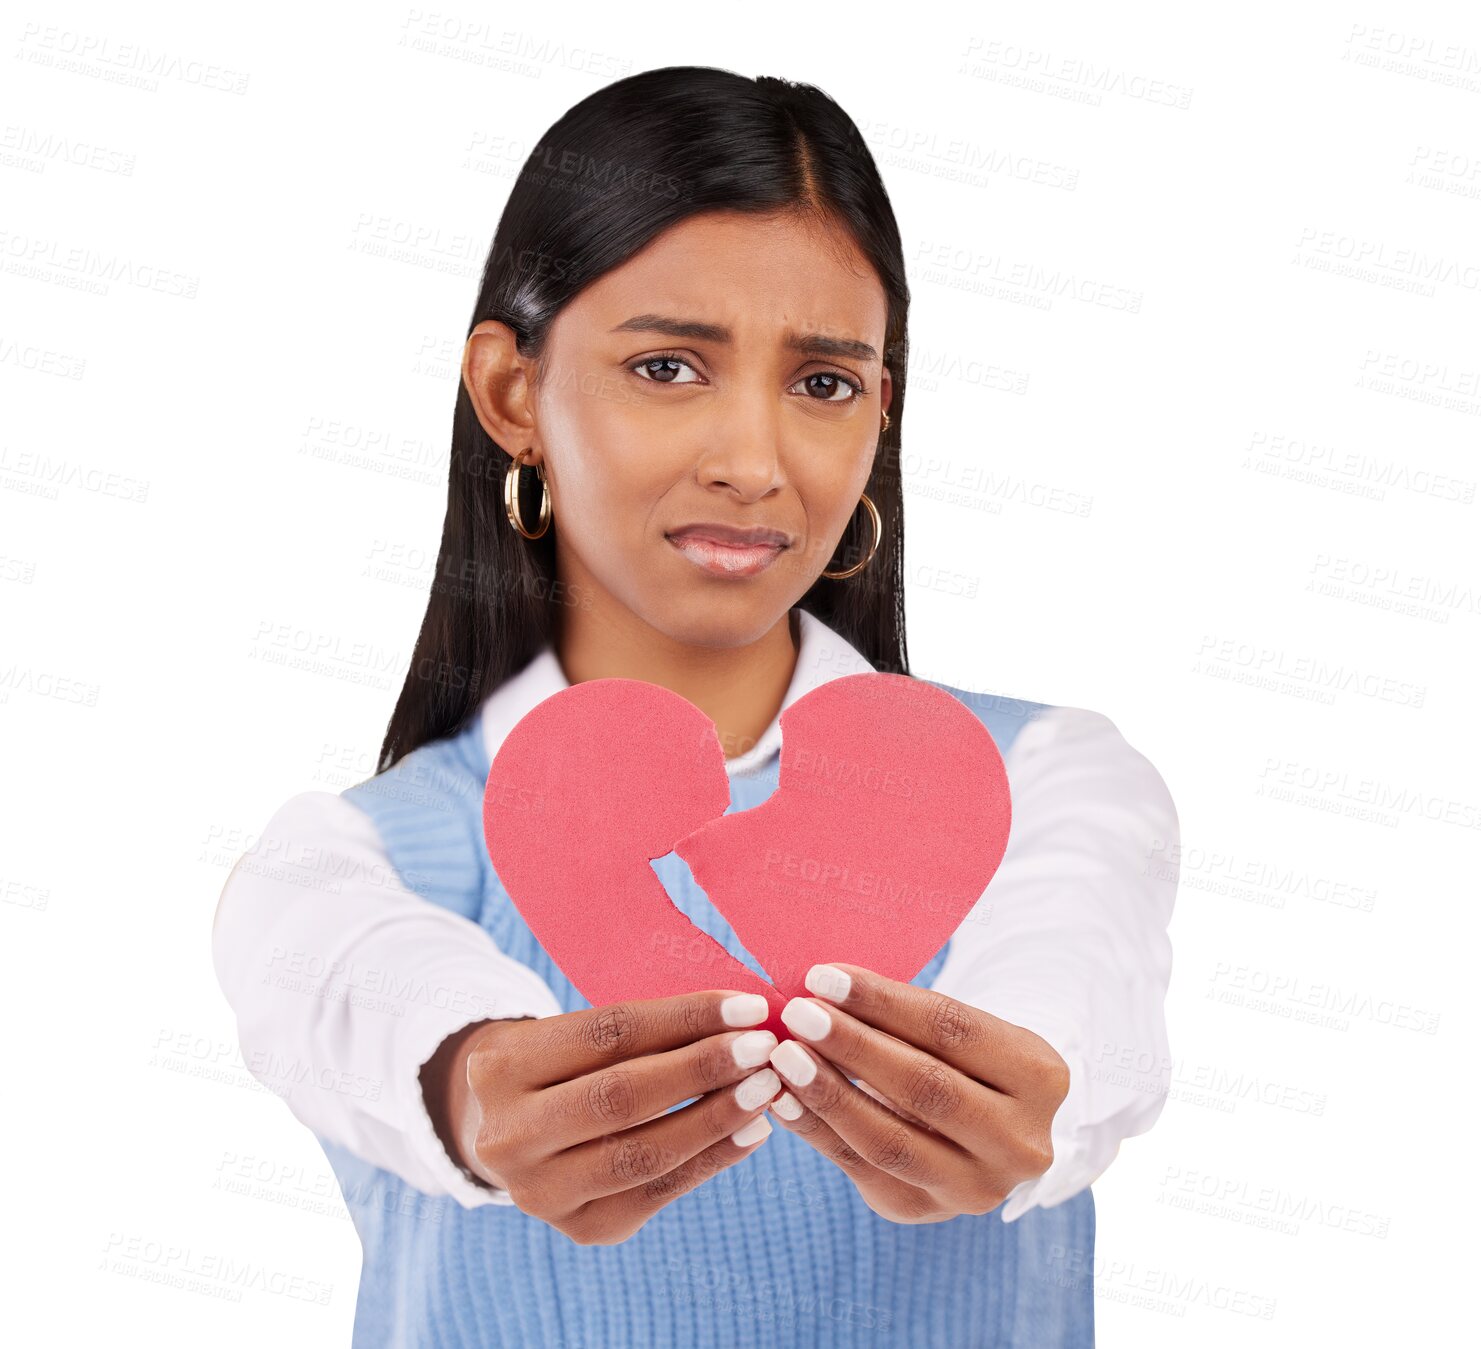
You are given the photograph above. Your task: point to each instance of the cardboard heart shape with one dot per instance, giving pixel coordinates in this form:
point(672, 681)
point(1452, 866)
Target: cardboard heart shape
point(890, 816)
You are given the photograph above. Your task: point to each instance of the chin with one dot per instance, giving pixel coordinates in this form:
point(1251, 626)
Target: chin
point(705, 618)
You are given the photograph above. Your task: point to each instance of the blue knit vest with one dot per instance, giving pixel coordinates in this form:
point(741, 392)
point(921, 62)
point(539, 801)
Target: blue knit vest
point(777, 1250)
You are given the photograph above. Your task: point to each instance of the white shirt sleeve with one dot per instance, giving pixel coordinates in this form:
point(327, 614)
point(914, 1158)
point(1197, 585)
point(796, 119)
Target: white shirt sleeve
point(1070, 937)
point(344, 982)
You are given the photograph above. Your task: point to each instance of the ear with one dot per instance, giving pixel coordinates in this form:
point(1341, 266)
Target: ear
point(500, 383)
point(886, 388)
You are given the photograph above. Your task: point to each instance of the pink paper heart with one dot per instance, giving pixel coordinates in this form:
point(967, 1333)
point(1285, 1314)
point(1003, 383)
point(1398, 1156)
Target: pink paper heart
point(890, 816)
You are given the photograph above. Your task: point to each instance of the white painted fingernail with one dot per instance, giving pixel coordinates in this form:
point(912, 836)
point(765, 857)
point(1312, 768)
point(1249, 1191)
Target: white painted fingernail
point(757, 1089)
point(794, 1063)
point(753, 1132)
point(753, 1048)
point(787, 1106)
point(828, 981)
point(806, 1018)
point(743, 1009)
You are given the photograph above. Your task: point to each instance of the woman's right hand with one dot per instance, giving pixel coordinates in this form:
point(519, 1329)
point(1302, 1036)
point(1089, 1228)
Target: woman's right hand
point(567, 1113)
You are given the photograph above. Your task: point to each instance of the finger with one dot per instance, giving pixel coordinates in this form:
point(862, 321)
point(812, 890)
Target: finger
point(869, 1179)
point(639, 1159)
point(638, 1090)
point(935, 1093)
point(986, 1048)
point(889, 1104)
point(630, 1209)
point(879, 1136)
point(788, 1107)
point(992, 1178)
point(595, 1037)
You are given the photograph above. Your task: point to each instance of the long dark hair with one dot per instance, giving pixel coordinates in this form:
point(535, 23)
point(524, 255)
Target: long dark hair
point(620, 167)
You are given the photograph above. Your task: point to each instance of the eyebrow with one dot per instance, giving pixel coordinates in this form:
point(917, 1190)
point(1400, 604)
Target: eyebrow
point(811, 344)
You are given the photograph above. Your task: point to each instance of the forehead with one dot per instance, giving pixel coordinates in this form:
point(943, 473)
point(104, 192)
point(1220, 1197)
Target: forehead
point(755, 274)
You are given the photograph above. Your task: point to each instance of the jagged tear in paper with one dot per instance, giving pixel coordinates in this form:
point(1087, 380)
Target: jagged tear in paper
point(890, 817)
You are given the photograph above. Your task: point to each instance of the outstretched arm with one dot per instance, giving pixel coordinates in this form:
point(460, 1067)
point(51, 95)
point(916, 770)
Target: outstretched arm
point(345, 982)
point(1070, 938)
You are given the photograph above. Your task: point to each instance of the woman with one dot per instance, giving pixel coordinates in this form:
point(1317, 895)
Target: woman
point(686, 371)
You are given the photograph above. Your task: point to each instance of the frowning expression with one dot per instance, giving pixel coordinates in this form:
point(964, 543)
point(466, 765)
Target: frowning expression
point(708, 414)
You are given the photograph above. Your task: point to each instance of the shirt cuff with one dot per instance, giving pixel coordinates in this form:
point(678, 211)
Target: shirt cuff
point(1089, 1125)
point(1071, 1170)
point(420, 1038)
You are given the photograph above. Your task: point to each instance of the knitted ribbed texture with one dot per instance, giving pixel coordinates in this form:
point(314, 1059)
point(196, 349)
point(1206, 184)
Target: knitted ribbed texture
point(778, 1250)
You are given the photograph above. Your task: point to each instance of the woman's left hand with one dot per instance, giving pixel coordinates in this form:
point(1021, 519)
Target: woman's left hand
point(953, 1105)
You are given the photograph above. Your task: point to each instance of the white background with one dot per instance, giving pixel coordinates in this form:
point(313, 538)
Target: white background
point(1193, 434)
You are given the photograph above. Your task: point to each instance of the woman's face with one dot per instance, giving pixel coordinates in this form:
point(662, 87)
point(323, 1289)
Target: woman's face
point(749, 415)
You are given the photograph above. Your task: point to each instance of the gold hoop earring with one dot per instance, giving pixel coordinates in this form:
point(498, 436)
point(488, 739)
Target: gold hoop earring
point(511, 497)
point(884, 425)
point(873, 548)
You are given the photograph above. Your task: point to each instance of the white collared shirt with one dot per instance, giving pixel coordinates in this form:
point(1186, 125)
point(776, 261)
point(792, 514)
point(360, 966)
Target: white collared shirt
point(1069, 940)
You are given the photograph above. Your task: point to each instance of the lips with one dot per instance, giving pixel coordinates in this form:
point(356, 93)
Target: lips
point(724, 550)
point(731, 536)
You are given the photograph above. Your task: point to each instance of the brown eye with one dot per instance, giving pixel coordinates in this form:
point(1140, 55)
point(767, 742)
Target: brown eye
point(826, 386)
point(663, 369)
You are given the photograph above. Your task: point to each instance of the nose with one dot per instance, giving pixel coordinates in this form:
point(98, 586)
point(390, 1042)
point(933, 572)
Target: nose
point(742, 446)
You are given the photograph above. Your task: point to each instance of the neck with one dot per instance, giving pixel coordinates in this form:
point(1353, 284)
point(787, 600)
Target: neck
point(740, 688)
